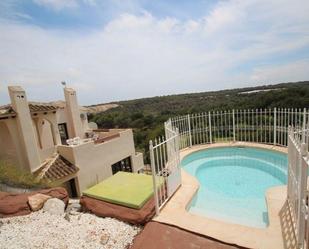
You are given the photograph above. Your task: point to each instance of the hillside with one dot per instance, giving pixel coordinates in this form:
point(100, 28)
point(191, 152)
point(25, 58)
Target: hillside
point(101, 108)
point(146, 116)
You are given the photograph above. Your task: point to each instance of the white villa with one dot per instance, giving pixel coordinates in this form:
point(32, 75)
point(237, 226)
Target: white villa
point(56, 142)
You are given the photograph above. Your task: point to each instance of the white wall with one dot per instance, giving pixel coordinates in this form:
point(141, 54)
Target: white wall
point(7, 147)
point(95, 160)
point(63, 118)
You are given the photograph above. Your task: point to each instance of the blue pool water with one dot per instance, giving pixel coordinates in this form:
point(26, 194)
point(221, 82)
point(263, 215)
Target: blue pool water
point(233, 182)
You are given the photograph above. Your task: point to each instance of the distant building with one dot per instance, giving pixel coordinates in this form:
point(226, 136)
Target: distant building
point(55, 141)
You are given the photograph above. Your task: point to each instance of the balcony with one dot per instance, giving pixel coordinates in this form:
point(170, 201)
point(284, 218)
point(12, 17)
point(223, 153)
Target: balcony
point(97, 136)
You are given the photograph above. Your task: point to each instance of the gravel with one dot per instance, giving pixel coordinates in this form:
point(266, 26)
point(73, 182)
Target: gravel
point(81, 230)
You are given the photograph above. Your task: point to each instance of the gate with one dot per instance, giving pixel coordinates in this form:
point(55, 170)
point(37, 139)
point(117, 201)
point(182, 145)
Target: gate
point(165, 166)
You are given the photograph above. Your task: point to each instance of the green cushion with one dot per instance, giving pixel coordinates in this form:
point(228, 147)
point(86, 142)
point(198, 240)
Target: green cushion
point(127, 189)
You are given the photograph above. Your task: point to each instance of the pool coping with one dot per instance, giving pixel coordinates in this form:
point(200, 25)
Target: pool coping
point(175, 212)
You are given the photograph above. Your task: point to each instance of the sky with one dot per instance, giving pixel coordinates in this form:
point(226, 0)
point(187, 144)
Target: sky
point(112, 50)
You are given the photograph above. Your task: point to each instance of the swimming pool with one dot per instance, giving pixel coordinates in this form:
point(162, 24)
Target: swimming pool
point(233, 182)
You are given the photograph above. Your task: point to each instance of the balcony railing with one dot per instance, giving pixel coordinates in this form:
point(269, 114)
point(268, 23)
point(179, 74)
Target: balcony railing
point(97, 136)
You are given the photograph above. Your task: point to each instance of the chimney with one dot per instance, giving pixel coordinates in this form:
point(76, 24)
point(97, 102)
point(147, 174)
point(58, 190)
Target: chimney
point(25, 127)
point(73, 112)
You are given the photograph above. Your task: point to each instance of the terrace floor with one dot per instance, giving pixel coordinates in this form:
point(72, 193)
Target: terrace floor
point(157, 235)
point(276, 236)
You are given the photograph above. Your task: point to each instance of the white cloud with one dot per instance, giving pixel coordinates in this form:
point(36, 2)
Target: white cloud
point(226, 15)
point(57, 4)
point(294, 71)
point(141, 55)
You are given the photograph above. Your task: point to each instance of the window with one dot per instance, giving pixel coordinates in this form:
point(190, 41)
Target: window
point(63, 131)
point(123, 165)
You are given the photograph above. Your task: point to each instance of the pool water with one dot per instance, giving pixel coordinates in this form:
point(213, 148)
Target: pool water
point(233, 182)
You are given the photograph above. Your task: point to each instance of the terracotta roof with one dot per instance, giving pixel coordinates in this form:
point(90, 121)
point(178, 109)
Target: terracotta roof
point(7, 110)
point(41, 107)
point(58, 169)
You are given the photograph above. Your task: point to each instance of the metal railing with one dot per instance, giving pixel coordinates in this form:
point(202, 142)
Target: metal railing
point(269, 126)
point(165, 166)
point(283, 127)
point(297, 189)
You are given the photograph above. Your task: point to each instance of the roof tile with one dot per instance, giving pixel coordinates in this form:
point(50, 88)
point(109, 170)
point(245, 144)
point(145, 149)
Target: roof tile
point(7, 110)
point(59, 169)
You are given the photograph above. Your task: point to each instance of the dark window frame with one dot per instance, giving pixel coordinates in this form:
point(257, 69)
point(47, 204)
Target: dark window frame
point(122, 165)
point(65, 130)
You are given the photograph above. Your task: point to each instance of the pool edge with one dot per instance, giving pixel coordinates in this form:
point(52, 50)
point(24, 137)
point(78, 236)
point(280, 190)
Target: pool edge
point(175, 212)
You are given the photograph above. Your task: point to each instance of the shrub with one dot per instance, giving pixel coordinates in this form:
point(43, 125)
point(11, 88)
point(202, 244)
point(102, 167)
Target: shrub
point(12, 176)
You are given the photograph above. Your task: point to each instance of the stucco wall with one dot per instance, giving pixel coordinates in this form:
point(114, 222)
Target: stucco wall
point(137, 162)
point(17, 154)
point(45, 138)
point(95, 160)
point(7, 147)
point(46, 134)
point(84, 120)
point(62, 117)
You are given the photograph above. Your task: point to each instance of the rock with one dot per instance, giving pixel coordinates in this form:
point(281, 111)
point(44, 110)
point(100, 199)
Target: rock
point(74, 207)
point(72, 212)
point(37, 201)
point(104, 238)
point(54, 206)
point(17, 204)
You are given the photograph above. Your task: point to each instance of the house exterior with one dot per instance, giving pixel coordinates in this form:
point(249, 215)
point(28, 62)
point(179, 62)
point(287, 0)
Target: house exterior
point(55, 141)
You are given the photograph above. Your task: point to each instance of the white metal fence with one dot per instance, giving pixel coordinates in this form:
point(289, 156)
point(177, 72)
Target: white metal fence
point(298, 165)
point(165, 166)
point(268, 126)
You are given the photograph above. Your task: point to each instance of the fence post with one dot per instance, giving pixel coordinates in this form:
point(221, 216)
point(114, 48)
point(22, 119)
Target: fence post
point(275, 125)
point(234, 130)
point(209, 123)
point(154, 176)
point(289, 144)
point(165, 129)
point(189, 128)
point(304, 126)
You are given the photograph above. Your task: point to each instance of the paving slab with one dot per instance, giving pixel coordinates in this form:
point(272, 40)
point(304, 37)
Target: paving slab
point(157, 235)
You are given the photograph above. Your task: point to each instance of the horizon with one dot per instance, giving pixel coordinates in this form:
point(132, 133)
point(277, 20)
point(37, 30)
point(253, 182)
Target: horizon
point(268, 86)
point(114, 51)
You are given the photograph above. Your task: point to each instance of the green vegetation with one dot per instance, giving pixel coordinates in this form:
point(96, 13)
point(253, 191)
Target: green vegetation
point(146, 116)
point(12, 176)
